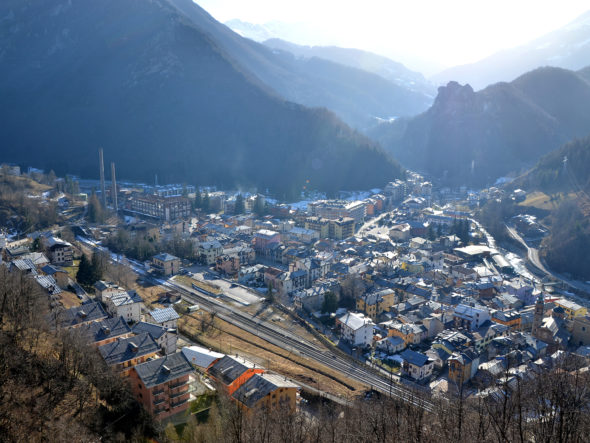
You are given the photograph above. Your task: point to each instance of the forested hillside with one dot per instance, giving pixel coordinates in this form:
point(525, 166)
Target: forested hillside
point(143, 81)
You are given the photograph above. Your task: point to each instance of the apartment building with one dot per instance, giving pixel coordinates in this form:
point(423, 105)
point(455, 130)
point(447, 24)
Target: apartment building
point(124, 353)
point(166, 264)
point(160, 207)
point(164, 385)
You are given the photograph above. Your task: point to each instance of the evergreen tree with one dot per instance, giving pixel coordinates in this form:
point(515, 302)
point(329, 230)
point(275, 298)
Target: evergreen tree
point(438, 229)
point(198, 203)
point(431, 234)
point(85, 274)
point(259, 208)
point(205, 205)
point(330, 303)
point(95, 210)
point(240, 208)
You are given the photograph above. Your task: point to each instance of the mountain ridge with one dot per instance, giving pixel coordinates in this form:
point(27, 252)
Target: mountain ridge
point(354, 95)
point(470, 137)
point(161, 97)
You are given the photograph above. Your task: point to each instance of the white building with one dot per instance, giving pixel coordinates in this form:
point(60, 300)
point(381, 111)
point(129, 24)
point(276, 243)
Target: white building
point(126, 304)
point(470, 317)
point(166, 317)
point(357, 329)
point(201, 357)
point(209, 251)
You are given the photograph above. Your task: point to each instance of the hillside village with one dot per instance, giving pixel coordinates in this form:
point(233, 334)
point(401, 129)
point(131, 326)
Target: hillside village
point(417, 292)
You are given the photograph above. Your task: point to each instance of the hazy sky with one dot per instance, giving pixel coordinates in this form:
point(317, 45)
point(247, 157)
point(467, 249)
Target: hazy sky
point(444, 32)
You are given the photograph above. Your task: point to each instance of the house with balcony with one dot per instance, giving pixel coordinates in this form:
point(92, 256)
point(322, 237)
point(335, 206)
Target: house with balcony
point(164, 386)
point(356, 329)
point(59, 251)
point(106, 331)
point(124, 353)
point(470, 317)
point(270, 392)
point(209, 251)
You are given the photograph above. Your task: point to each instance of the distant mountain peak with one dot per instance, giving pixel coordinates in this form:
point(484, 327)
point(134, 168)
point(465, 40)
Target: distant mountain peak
point(567, 47)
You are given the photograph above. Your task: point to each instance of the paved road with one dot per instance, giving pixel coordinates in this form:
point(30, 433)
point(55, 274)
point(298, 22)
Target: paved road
point(534, 259)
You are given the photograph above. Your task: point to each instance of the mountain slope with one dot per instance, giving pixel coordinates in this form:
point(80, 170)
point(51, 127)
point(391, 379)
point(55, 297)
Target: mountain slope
point(563, 176)
point(160, 96)
point(356, 58)
point(354, 95)
point(568, 47)
point(585, 73)
point(469, 137)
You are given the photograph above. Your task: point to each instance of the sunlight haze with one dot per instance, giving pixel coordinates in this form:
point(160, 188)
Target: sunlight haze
point(432, 34)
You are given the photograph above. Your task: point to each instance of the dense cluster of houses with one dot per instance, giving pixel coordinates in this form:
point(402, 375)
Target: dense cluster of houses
point(428, 303)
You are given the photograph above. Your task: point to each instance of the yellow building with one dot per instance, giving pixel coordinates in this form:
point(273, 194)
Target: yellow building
point(376, 303)
point(267, 391)
point(342, 228)
point(318, 224)
point(571, 308)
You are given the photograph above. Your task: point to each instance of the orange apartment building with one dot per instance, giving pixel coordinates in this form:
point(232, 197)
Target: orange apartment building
point(232, 372)
point(164, 385)
point(511, 319)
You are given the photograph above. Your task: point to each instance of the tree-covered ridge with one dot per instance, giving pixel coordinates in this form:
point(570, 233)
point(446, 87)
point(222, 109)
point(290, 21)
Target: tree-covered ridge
point(160, 95)
point(564, 174)
point(469, 137)
point(564, 170)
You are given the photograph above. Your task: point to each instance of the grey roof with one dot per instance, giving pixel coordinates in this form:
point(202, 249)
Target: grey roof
point(156, 331)
point(164, 314)
point(165, 257)
point(48, 283)
point(38, 258)
point(126, 298)
point(163, 370)
point(107, 328)
point(229, 368)
point(25, 264)
point(52, 269)
point(414, 358)
point(355, 321)
point(125, 349)
point(102, 285)
point(259, 386)
point(87, 312)
point(201, 357)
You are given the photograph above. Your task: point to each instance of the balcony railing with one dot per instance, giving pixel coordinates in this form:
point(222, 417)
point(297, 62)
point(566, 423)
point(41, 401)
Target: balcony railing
point(158, 392)
point(178, 394)
point(178, 385)
point(159, 401)
point(177, 404)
